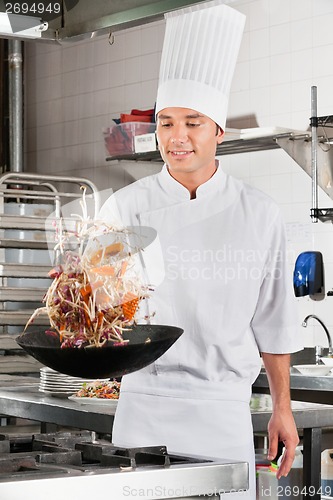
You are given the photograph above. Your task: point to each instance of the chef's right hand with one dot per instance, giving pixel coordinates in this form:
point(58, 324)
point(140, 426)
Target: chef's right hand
point(282, 427)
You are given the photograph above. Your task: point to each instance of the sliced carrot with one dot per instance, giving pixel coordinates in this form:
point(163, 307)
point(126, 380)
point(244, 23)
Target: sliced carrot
point(103, 270)
point(96, 284)
point(85, 292)
point(96, 257)
point(108, 251)
point(121, 273)
point(61, 329)
point(130, 305)
point(100, 317)
point(102, 297)
point(113, 249)
point(124, 265)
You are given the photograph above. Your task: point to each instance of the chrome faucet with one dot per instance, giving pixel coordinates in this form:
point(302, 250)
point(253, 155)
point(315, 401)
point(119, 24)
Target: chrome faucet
point(305, 323)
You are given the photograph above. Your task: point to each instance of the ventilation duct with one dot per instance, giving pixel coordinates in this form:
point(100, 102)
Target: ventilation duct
point(70, 20)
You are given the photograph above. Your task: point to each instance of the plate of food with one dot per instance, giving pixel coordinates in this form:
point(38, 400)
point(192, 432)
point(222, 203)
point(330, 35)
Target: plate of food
point(98, 392)
point(94, 401)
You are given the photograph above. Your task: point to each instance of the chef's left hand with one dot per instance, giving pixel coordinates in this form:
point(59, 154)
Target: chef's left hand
point(282, 427)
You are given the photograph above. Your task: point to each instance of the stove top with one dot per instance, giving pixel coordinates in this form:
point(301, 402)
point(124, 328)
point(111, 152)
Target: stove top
point(77, 461)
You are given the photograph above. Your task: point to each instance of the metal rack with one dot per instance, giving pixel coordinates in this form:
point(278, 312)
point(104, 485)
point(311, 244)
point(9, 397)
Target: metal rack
point(235, 141)
point(322, 214)
point(26, 203)
point(306, 148)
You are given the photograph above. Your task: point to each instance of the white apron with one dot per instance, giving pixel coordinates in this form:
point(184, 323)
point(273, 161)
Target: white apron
point(188, 426)
point(224, 283)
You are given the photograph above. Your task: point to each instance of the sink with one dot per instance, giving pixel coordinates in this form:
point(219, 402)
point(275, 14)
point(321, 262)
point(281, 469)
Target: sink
point(305, 357)
point(312, 370)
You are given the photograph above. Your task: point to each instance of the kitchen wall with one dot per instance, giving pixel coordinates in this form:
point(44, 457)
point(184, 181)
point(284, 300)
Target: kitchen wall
point(74, 90)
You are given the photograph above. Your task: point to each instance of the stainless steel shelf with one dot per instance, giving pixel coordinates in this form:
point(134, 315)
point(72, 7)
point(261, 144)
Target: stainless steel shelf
point(297, 144)
point(322, 214)
point(10, 294)
point(20, 318)
point(23, 270)
point(28, 244)
point(236, 141)
point(23, 222)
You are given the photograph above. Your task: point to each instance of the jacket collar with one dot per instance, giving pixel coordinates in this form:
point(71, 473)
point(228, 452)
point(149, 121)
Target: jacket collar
point(180, 193)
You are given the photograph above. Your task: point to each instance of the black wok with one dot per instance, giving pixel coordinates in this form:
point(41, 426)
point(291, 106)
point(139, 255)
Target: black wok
point(101, 362)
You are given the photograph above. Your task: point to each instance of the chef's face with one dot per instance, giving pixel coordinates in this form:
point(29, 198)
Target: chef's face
point(187, 140)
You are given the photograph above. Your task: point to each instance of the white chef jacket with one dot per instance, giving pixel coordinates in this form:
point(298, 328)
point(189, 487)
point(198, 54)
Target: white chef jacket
point(224, 282)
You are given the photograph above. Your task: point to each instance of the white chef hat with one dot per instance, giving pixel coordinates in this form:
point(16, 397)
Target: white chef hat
point(200, 49)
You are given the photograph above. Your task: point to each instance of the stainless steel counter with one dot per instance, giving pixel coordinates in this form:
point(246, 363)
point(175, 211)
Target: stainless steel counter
point(27, 402)
point(303, 388)
point(20, 397)
point(313, 389)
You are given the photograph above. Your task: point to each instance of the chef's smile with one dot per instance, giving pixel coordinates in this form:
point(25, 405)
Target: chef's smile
point(181, 155)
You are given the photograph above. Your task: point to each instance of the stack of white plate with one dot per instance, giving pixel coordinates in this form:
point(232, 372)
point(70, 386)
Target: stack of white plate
point(59, 384)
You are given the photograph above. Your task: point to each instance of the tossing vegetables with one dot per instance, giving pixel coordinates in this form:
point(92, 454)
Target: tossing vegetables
point(96, 289)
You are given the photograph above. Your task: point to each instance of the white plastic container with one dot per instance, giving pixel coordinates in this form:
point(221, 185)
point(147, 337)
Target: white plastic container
point(121, 139)
point(266, 483)
point(327, 472)
point(269, 487)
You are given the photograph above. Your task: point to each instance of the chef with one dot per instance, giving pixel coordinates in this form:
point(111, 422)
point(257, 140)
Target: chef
point(224, 270)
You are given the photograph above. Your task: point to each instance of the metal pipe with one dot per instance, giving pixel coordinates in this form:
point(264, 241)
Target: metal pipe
point(15, 105)
point(314, 139)
point(329, 339)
